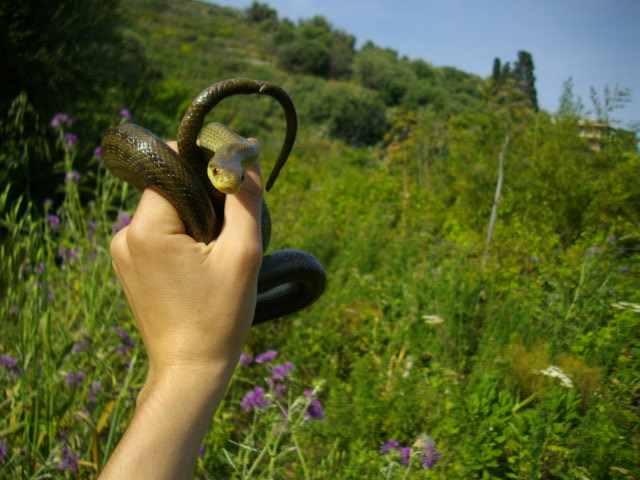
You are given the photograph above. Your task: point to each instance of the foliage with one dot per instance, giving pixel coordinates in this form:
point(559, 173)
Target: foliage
point(263, 14)
point(524, 77)
point(314, 47)
point(610, 101)
point(569, 105)
point(353, 115)
point(525, 369)
point(521, 75)
point(71, 51)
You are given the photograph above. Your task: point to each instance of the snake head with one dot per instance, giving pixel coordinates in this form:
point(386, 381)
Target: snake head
point(227, 177)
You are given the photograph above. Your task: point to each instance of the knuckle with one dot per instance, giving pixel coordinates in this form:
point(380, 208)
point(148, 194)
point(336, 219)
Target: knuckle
point(137, 238)
point(118, 246)
point(249, 255)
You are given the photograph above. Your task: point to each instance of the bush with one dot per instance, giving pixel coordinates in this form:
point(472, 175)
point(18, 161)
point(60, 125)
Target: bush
point(358, 118)
point(313, 47)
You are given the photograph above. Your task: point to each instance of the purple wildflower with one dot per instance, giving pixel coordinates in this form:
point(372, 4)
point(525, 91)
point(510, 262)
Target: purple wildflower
point(388, 446)
point(279, 389)
point(75, 379)
point(97, 152)
point(625, 268)
point(314, 410)
point(38, 268)
point(8, 361)
point(245, 359)
point(54, 221)
point(429, 457)
point(128, 342)
point(69, 255)
point(80, 346)
point(254, 400)
point(61, 119)
point(611, 239)
point(3, 450)
point(266, 356)
point(48, 203)
point(72, 176)
point(91, 394)
point(50, 296)
point(70, 139)
point(124, 336)
point(280, 371)
point(201, 451)
point(93, 228)
point(126, 114)
point(123, 220)
point(69, 459)
point(406, 455)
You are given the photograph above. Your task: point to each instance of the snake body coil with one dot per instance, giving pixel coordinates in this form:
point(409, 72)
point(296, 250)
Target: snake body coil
point(289, 280)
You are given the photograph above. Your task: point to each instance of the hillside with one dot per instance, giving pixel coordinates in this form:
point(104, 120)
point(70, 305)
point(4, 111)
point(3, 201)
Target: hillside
point(442, 348)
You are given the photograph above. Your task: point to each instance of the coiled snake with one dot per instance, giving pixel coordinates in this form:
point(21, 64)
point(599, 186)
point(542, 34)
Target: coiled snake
point(289, 280)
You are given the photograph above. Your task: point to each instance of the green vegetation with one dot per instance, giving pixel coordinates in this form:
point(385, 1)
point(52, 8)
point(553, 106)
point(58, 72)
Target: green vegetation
point(517, 359)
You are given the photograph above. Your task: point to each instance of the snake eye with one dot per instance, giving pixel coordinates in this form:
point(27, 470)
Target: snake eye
point(215, 170)
point(242, 177)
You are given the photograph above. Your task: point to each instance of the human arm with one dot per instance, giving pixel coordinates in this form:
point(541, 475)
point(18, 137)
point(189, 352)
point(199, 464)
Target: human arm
point(193, 304)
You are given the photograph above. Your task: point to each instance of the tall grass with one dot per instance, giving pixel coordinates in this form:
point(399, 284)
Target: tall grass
point(413, 347)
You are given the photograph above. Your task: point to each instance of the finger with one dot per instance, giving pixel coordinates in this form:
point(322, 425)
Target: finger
point(155, 217)
point(244, 208)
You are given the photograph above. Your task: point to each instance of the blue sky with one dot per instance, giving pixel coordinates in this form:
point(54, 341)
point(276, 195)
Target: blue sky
point(597, 42)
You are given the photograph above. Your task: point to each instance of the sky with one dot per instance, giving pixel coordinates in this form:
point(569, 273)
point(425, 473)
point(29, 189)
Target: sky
point(596, 42)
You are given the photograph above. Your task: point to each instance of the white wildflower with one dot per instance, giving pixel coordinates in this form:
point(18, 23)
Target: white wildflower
point(432, 319)
point(624, 305)
point(556, 372)
point(408, 366)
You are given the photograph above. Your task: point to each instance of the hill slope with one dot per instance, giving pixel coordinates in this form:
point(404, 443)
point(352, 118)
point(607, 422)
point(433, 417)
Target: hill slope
point(510, 358)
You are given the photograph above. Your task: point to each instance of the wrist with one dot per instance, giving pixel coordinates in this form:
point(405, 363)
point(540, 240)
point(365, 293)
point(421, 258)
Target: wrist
point(195, 382)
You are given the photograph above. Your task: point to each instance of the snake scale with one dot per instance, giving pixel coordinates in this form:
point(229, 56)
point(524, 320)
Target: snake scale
point(289, 280)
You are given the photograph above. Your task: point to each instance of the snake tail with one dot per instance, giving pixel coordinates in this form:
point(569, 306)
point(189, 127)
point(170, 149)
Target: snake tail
point(194, 118)
point(141, 159)
point(282, 292)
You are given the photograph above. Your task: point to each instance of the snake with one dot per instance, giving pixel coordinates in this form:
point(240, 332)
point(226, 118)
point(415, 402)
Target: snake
point(209, 165)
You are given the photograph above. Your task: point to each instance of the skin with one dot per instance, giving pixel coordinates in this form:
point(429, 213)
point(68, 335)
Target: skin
point(193, 304)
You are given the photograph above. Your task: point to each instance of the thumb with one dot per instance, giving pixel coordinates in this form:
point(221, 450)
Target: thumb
point(155, 217)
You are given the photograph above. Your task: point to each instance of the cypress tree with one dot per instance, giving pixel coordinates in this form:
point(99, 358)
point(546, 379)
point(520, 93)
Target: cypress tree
point(497, 73)
point(523, 74)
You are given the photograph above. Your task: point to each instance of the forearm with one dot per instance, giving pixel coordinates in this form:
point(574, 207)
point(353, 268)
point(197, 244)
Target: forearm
point(171, 417)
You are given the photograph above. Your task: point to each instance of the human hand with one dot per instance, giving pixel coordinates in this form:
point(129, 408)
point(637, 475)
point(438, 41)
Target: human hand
point(193, 303)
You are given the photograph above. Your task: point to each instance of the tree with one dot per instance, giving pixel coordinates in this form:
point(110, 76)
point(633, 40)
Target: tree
point(263, 14)
point(64, 53)
point(610, 101)
point(260, 12)
point(496, 74)
point(380, 69)
point(523, 75)
point(570, 105)
point(314, 47)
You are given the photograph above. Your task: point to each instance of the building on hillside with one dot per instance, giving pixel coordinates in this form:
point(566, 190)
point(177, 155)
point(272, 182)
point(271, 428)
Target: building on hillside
point(600, 134)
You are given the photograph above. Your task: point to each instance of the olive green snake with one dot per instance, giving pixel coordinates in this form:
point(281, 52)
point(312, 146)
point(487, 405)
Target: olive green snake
point(289, 280)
